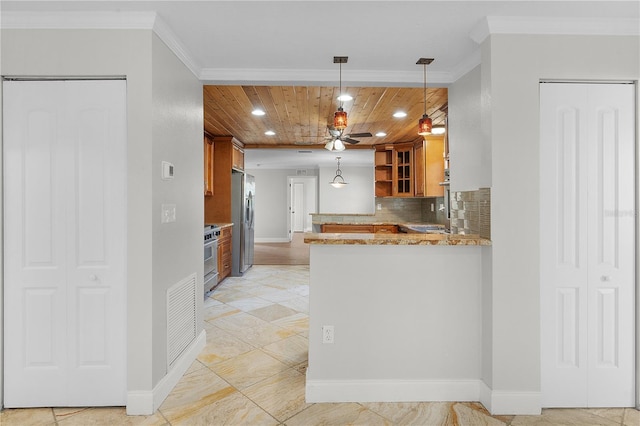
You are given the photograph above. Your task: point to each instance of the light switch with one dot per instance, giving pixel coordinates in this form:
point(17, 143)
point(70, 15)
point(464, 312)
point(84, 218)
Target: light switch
point(168, 213)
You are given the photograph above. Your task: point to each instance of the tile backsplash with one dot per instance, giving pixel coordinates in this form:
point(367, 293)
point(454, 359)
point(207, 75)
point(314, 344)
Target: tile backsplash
point(471, 212)
point(394, 210)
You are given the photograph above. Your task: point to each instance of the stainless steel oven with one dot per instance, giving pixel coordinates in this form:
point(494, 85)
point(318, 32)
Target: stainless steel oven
point(211, 234)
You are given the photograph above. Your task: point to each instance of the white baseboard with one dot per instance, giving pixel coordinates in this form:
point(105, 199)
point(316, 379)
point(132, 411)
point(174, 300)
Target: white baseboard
point(510, 403)
point(147, 402)
point(391, 390)
point(272, 240)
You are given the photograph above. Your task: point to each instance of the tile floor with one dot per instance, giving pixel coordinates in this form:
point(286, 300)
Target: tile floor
point(251, 372)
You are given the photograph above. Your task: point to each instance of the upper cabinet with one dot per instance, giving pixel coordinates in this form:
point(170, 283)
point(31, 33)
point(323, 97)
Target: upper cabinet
point(384, 170)
point(410, 169)
point(237, 155)
point(208, 164)
point(403, 173)
point(227, 150)
point(429, 167)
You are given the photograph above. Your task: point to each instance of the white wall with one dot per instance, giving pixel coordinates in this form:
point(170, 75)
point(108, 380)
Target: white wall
point(469, 149)
point(152, 260)
point(356, 197)
point(271, 204)
point(177, 138)
point(517, 64)
point(400, 332)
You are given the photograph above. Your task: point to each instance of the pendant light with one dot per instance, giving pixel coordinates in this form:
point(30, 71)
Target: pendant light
point(425, 124)
point(340, 116)
point(338, 180)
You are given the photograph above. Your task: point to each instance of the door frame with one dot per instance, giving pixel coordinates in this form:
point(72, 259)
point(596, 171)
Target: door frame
point(310, 182)
point(3, 347)
point(636, 344)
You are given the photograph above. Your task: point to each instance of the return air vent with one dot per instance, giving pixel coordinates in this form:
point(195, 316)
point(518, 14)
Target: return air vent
point(181, 317)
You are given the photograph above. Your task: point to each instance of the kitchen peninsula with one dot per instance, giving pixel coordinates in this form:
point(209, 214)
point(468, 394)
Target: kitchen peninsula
point(406, 317)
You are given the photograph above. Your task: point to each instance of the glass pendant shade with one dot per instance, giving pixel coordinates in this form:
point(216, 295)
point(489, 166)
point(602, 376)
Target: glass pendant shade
point(424, 125)
point(340, 119)
point(335, 145)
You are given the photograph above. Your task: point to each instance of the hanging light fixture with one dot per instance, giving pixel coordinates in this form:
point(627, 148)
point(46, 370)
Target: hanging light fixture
point(335, 145)
point(425, 124)
point(338, 180)
point(340, 116)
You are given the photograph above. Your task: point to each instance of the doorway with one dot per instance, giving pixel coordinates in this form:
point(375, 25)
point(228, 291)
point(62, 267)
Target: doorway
point(64, 192)
point(302, 198)
point(587, 244)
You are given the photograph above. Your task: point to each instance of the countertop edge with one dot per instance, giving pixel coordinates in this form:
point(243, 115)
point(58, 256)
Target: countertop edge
point(396, 239)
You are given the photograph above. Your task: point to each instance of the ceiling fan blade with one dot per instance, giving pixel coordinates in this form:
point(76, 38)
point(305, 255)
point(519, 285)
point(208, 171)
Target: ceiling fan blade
point(360, 135)
point(349, 140)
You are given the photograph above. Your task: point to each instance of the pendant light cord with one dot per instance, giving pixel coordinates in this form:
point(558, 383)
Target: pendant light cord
point(425, 89)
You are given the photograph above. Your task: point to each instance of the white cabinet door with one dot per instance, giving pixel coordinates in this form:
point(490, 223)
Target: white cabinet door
point(587, 242)
point(64, 254)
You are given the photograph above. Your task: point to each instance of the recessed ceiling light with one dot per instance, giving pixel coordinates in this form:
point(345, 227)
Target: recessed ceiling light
point(258, 111)
point(269, 133)
point(345, 97)
point(381, 134)
point(399, 114)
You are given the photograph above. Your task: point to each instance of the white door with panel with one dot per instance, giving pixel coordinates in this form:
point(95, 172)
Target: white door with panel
point(297, 202)
point(587, 244)
point(64, 243)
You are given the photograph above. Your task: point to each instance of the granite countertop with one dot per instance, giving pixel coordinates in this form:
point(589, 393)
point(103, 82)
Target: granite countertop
point(418, 239)
point(219, 225)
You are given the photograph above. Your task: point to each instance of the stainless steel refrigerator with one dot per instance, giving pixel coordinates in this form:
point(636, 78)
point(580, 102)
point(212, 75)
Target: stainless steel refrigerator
point(243, 187)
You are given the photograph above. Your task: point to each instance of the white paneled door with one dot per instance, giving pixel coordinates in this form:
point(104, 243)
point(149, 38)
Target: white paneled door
point(587, 242)
point(64, 243)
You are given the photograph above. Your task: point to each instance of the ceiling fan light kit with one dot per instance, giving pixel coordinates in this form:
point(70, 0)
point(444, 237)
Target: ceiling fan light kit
point(425, 124)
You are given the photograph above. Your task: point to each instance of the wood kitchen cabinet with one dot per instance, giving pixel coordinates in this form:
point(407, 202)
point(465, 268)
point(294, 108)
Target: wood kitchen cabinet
point(429, 167)
point(224, 253)
point(208, 164)
point(237, 157)
point(403, 173)
point(410, 169)
point(217, 208)
point(385, 229)
point(383, 162)
point(346, 228)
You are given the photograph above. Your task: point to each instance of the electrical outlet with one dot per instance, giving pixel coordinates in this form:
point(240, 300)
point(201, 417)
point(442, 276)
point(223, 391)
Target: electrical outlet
point(379, 206)
point(327, 334)
point(168, 213)
point(433, 207)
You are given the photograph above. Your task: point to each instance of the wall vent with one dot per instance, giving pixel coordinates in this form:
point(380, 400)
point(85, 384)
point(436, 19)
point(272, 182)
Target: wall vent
point(181, 317)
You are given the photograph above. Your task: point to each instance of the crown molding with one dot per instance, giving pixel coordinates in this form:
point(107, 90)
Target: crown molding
point(554, 26)
point(166, 34)
point(77, 20)
point(271, 76)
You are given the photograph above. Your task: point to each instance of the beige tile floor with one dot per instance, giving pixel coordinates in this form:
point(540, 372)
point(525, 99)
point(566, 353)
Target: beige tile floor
point(251, 372)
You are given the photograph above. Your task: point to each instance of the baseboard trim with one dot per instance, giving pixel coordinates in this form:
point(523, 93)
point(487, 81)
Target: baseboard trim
point(510, 402)
point(272, 240)
point(147, 402)
point(391, 390)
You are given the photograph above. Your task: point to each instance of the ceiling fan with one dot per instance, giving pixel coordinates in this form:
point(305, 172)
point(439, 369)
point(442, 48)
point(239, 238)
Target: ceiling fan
point(337, 138)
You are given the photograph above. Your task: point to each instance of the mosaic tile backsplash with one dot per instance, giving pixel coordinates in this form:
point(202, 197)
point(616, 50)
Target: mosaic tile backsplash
point(471, 212)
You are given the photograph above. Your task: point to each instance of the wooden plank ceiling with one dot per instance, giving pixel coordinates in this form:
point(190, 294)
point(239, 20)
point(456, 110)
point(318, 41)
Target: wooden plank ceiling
point(299, 114)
